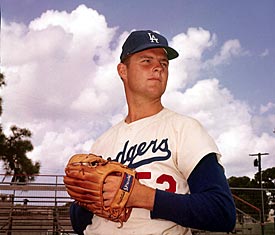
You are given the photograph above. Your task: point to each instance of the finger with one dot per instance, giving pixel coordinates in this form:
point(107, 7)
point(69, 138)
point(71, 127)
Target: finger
point(107, 199)
point(81, 190)
point(80, 183)
point(111, 183)
point(80, 172)
point(82, 197)
point(112, 178)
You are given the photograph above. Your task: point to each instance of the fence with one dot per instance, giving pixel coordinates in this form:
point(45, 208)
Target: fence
point(42, 207)
point(35, 208)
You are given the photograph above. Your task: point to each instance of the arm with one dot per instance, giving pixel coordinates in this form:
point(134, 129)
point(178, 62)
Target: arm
point(80, 218)
point(209, 206)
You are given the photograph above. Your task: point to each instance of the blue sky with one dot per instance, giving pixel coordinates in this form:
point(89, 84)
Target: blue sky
point(251, 21)
point(228, 54)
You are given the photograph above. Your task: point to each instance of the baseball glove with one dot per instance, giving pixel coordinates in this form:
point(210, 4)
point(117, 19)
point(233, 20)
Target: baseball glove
point(85, 176)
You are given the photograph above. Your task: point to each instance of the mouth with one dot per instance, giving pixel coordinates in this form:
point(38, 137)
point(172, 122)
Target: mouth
point(154, 79)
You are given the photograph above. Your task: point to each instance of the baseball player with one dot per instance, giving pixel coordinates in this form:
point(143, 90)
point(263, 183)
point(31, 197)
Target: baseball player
point(181, 183)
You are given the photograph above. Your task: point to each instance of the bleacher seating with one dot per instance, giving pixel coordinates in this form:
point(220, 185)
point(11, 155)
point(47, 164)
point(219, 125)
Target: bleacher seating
point(34, 219)
point(42, 208)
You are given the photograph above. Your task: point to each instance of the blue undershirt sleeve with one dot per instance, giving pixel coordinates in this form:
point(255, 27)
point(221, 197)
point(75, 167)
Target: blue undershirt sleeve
point(209, 206)
point(80, 218)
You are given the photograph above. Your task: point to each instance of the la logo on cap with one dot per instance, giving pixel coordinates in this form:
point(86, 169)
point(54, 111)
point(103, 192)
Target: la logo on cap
point(153, 38)
point(145, 39)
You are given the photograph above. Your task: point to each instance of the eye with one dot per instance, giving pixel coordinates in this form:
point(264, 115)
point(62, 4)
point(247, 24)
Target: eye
point(146, 60)
point(164, 64)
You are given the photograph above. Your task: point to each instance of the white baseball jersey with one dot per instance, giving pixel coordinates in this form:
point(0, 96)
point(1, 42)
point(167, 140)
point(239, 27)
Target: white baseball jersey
point(164, 149)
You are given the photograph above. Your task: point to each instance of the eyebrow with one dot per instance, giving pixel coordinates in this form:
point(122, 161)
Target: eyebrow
point(151, 57)
point(146, 57)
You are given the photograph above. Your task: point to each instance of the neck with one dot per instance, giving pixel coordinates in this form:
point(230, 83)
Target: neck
point(137, 112)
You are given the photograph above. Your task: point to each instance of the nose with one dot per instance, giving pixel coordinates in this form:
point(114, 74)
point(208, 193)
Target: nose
point(157, 66)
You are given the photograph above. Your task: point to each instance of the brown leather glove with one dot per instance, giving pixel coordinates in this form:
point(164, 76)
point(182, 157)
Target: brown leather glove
point(85, 176)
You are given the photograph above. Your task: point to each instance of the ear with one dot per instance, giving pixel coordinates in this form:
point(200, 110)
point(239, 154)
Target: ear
point(122, 70)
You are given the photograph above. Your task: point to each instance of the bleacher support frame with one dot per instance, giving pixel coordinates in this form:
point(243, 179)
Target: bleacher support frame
point(42, 208)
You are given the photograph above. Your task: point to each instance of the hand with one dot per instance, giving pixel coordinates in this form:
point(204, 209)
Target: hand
point(110, 187)
point(141, 197)
point(86, 181)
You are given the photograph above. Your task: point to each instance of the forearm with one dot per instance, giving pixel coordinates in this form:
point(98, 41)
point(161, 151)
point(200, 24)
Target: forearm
point(206, 211)
point(142, 197)
point(209, 206)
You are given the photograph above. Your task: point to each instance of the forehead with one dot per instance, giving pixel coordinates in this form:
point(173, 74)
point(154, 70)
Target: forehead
point(152, 52)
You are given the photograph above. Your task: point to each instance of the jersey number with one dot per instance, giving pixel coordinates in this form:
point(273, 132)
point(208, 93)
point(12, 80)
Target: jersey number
point(160, 180)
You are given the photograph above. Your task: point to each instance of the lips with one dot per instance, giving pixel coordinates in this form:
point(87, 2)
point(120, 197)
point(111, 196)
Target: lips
point(154, 79)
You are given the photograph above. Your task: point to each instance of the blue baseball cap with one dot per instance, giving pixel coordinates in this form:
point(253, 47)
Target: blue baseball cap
point(145, 39)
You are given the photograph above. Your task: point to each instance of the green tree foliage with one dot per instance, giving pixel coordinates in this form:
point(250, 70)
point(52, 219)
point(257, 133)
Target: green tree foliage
point(268, 177)
point(13, 150)
point(2, 83)
point(241, 187)
point(249, 190)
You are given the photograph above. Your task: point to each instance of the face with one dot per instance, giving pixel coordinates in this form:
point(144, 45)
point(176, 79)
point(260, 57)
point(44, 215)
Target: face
point(145, 74)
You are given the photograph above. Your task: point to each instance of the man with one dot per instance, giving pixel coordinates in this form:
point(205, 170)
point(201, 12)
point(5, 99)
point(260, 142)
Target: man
point(181, 183)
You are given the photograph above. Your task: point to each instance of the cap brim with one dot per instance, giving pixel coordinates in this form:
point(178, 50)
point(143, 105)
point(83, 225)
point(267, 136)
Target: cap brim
point(171, 53)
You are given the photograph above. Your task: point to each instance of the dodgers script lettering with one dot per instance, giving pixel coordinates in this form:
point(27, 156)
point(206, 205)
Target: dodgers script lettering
point(132, 155)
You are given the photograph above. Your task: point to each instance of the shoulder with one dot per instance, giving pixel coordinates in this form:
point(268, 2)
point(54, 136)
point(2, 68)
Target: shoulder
point(180, 119)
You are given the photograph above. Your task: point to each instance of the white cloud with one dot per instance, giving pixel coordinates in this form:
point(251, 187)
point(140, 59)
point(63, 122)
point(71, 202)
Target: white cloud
point(62, 85)
point(264, 53)
point(86, 26)
point(56, 148)
point(229, 50)
point(228, 120)
point(49, 64)
point(265, 108)
point(192, 44)
point(191, 47)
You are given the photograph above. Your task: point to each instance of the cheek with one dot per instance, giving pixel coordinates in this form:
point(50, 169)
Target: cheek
point(135, 75)
point(165, 77)
point(133, 79)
